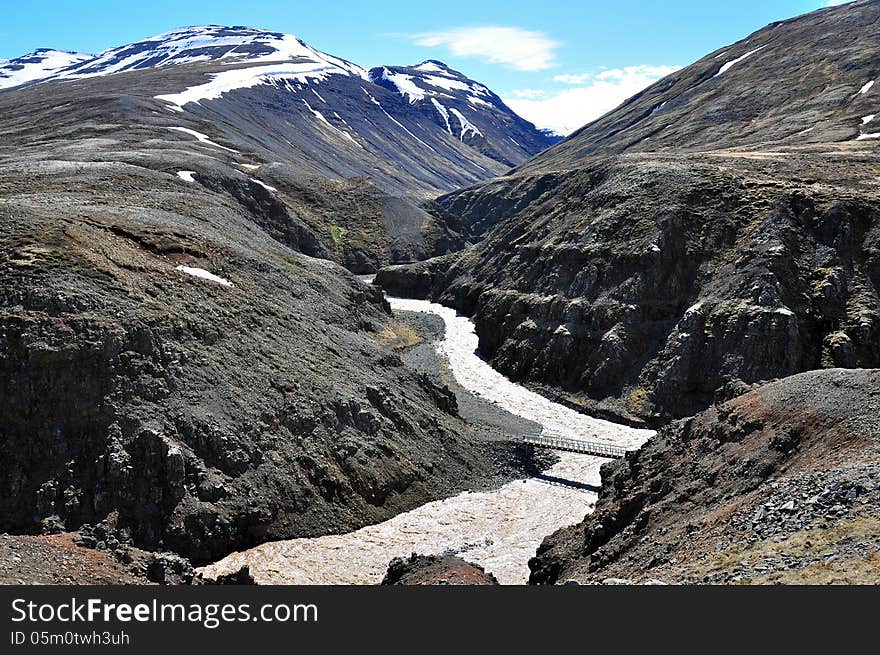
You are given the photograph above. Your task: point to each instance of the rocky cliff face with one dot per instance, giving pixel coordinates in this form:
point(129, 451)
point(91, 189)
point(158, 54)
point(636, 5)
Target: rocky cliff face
point(650, 272)
point(778, 485)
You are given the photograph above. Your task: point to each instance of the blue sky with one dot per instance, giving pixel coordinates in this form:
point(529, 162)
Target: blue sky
point(539, 55)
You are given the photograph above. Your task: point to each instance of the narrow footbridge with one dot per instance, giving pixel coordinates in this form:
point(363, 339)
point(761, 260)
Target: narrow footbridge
point(574, 445)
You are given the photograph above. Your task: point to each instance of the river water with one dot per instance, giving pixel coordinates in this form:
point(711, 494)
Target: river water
point(500, 529)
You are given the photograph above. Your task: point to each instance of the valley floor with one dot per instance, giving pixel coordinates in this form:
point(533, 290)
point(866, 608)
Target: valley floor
point(499, 530)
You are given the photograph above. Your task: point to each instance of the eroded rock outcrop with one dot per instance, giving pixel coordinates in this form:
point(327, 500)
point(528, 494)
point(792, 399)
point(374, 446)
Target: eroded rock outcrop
point(778, 485)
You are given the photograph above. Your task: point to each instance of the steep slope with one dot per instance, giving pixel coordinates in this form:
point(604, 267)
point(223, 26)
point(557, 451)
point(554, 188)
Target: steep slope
point(808, 80)
point(37, 65)
point(351, 157)
point(781, 484)
point(647, 272)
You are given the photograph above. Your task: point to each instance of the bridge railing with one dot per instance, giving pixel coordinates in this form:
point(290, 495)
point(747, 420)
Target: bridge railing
point(575, 445)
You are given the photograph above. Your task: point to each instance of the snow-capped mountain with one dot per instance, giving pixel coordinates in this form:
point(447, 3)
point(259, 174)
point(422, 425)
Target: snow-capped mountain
point(418, 129)
point(208, 43)
point(445, 93)
point(37, 65)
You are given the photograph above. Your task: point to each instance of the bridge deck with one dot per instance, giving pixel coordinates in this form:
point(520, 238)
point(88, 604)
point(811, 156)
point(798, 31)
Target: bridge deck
point(575, 446)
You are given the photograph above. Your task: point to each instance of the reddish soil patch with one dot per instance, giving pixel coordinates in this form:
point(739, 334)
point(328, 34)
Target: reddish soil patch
point(433, 570)
point(56, 559)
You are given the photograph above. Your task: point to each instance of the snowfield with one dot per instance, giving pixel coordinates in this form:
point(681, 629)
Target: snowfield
point(499, 530)
point(404, 85)
point(204, 43)
point(416, 88)
point(270, 56)
point(36, 66)
point(245, 78)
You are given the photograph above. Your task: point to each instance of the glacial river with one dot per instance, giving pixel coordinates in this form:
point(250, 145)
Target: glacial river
point(500, 529)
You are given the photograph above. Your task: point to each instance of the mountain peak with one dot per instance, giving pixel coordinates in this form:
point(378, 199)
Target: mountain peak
point(433, 80)
point(206, 43)
point(233, 34)
point(434, 66)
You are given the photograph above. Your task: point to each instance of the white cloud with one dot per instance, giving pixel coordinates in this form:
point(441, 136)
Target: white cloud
point(570, 109)
point(528, 94)
point(652, 73)
point(619, 74)
point(834, 3)
point(578, 78)
point(513, 47)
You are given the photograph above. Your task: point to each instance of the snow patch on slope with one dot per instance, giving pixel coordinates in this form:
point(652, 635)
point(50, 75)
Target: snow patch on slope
point(244, 78)
point(474, 100)
point(444, 114)
point(430, 67)
point(203, 138)
point(439, 82)
point(394, 120)
point(204, 275)
point(324, 120)
point(318, 114)
point(726, 67)
point(466, 125)
point(263, 184)
point(446, 83)
point(404, 85)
